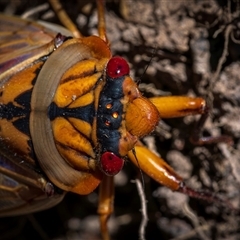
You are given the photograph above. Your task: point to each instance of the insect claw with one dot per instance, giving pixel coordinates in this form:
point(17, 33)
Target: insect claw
point(207, 196)
point(196, 137)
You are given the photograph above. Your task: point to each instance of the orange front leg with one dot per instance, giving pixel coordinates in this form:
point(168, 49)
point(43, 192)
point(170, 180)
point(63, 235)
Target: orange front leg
point(160, 171)
point(180, 106)
point(155, 167)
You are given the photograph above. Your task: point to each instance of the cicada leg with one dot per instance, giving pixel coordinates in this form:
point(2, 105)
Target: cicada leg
point(197, 138)
point(67, 22)
point(160, 171)
point(64, 18)
point(101, 21)
point(105, 206)
point(179, 106)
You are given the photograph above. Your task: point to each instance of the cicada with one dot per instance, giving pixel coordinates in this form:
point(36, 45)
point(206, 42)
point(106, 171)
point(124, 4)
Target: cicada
point(71, 115)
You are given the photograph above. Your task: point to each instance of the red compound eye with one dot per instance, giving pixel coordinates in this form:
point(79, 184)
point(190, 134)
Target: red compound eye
point(110, 163)
point(117, 67)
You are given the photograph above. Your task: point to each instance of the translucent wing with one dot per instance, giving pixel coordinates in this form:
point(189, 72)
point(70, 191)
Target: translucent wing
point(23, 42)
point(21, 189)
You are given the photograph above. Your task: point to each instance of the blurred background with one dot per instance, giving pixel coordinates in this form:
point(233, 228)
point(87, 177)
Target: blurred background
point(173, 47)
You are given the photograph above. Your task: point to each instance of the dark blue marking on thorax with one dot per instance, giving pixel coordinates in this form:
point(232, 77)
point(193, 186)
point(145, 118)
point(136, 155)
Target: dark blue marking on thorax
point(107, 126)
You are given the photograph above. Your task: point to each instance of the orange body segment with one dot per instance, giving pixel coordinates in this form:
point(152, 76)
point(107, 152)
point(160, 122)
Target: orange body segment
point(100, 49)
point(67, 136)
point(88, 183)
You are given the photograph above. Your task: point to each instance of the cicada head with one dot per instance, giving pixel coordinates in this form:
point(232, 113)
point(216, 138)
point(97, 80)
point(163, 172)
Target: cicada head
point(123, 116)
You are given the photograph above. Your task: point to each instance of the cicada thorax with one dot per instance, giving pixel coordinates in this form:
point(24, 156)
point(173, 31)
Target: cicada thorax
point(47, 111)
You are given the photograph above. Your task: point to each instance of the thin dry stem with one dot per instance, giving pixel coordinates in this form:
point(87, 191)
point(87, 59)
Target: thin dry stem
point(143, 225)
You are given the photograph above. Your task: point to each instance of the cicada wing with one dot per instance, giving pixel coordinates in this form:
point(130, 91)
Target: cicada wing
point(23, 42)
point(23, 189)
